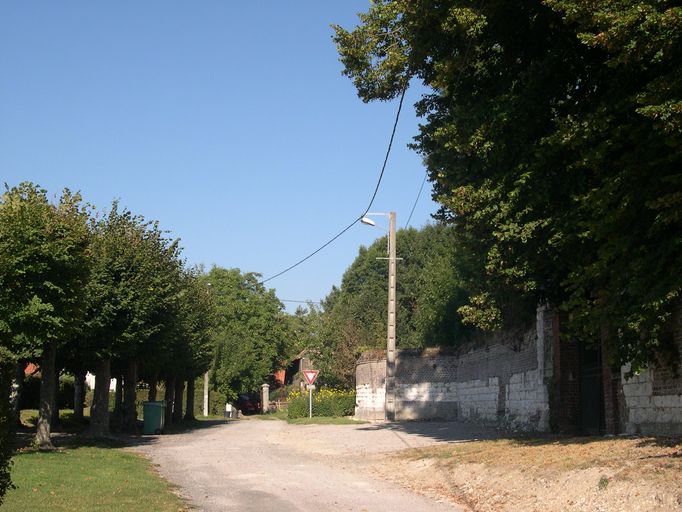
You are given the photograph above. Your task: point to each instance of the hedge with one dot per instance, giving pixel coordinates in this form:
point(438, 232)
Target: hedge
point(6, 421)
point(326, 402)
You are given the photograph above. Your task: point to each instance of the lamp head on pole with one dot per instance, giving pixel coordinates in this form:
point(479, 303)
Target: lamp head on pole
point(368, 221)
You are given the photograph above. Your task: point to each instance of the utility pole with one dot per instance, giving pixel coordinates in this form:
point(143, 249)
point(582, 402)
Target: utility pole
point(206, 394)
point(390, 341)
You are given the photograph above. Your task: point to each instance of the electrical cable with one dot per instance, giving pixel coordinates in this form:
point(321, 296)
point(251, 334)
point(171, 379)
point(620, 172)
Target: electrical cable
point(374, 195)
point(388, 150)
point(407, 224)
point(301, 301)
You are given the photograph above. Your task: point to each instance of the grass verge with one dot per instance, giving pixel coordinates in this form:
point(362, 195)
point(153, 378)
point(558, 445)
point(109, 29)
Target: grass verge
point(86, 478)
point(325, 420)
point(315, 420)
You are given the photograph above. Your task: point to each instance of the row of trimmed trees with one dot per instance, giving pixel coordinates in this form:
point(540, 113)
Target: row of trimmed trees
point(101, 292)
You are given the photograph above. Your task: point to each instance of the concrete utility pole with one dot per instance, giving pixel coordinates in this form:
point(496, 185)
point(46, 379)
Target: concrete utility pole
point(389, 405)
point(390, 341)
point(206, 394)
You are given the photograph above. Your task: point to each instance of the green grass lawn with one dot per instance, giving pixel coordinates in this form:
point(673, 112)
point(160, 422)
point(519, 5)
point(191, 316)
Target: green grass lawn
point(315, 420)
point(324, 420)
point(88, 478)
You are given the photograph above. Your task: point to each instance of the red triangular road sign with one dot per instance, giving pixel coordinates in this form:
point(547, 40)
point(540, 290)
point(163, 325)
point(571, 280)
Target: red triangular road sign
point(310, 375)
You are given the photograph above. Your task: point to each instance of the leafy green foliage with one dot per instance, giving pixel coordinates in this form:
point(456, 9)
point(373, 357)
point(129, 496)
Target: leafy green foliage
point(7, 421)
point(250, 335)
point(429, 291)
point(133, 287)
point(43, 268)
point(553, 136)
point(327, 402)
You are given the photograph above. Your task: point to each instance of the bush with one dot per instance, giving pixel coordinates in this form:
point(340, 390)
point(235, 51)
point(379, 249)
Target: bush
point(30, 394)
point(326, 402)
point(281, 393)
point(6, 421)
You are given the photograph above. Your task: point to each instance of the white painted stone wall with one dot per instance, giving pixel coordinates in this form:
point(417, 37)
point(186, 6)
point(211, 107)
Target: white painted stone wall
point(653, 398)
point(527, 401)
point(647, 413)
point(370, 391)
point(502, 383)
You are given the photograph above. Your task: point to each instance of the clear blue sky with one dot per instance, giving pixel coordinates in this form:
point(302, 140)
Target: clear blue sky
point(229, 122)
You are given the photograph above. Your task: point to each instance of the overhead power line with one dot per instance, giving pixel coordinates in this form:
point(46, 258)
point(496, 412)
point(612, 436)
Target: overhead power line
point(301, 301)
point(407, 224)
point(371, 201)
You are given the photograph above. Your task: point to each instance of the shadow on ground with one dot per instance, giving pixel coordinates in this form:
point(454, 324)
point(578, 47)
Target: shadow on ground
point(75, 436)
point(459, 431)
point(438, 431)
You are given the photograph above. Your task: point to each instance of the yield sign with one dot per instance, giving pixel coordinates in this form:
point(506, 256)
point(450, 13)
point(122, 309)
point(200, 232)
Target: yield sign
point(310, 375)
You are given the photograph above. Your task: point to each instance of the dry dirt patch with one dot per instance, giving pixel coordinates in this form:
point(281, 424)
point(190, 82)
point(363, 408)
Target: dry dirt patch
point(595, 474)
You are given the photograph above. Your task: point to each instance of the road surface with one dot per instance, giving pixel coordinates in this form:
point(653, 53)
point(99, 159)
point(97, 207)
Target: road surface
point(257, 465)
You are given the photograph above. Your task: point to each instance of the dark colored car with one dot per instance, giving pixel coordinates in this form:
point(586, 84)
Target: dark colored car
point(248, 404)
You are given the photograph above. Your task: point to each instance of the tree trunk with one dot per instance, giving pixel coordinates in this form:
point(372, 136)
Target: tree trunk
point(153, 384)
point(189, 407)
point(129, 423)
point(118, 396)
point(78, 395)
point(99, 412)
point(168, 396)
point(18, 391)
point(47, 396)
point(177, 408)
point(55, 409)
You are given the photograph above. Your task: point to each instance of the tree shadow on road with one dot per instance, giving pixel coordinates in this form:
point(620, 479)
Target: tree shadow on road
point(78, 437)
point(438, 431)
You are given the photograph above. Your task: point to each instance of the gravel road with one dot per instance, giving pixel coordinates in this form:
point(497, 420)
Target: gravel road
point(256, 465)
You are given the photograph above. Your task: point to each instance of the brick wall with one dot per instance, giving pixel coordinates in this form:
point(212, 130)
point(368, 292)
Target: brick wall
point(565, 390)
point(504, 381)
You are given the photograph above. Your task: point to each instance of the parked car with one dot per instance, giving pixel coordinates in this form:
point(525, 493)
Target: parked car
point(247, 404)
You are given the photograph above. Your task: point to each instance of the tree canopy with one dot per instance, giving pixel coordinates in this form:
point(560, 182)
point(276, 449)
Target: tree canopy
point(552, 133)
point(429, 291)
point(250, 335)
point(43, 270)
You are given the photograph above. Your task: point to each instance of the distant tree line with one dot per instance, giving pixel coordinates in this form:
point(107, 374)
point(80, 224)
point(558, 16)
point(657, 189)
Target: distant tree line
point(353, 317)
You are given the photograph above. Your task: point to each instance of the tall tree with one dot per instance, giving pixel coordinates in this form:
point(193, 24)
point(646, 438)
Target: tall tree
point(132, 299)
point(553, 136)
point(429, 291)
point(43, 269)
point(250, 333)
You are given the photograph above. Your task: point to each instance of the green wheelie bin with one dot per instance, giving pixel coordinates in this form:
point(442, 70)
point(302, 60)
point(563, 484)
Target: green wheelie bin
point(154, 415)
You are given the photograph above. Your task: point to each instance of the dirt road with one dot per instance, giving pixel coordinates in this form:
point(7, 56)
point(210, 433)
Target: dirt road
point(256, 465)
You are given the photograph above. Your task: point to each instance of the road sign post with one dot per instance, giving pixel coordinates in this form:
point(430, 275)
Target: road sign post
point(310, 376)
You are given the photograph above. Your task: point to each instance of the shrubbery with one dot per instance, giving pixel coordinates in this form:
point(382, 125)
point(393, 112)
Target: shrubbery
point(30, 394)
point(6, 421)
point(326, 402)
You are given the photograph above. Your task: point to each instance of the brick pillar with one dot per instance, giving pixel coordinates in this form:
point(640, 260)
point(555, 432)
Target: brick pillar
point(612, 387)
point(565, 397)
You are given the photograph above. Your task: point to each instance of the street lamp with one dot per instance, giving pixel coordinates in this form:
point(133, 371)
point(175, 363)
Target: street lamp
point(390, 338)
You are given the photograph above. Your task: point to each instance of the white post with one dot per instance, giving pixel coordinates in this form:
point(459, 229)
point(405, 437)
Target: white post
point(265, 398)
point(390, 341)
point(206, 394)
point(310, 400)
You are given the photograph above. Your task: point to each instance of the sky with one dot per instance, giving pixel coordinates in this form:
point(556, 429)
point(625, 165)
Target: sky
point(228, 122)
